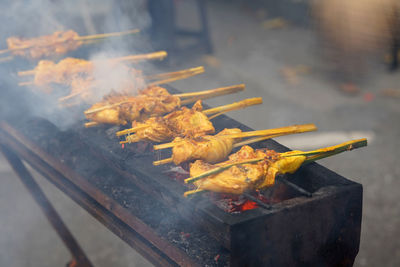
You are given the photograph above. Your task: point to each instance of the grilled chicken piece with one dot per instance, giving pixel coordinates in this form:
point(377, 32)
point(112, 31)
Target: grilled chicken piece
point(210, 148)
point(240, 178)
point(64, 72)
point(79, 74)
point(153, 101)
point(47, 72)
point(60, 42)
point(184, 122)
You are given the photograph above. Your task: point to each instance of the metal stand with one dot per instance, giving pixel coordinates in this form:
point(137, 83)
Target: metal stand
point(79, 257)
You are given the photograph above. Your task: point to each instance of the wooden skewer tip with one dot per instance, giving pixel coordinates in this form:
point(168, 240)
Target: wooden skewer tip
point(162, 161)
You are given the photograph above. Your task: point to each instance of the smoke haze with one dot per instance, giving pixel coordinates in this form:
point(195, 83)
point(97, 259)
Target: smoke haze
point(42, 17)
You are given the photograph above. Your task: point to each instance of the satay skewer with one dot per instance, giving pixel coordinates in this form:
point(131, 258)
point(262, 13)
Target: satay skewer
point(174, 76)
point(163, 78)
point(234, 106)
point(159, 55)
point(168, 77)
point(107, 35)
point(184, 122)
point(189, 150)
point(86, 39)
point(246, 142)
point(260, 133)
point(194, 97)
point(310, 157)
point(91, 124)
point(218, 110)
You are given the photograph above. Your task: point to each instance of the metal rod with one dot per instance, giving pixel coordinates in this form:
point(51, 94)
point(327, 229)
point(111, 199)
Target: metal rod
point(79, 256)
point(259, 202)
point(294, 186)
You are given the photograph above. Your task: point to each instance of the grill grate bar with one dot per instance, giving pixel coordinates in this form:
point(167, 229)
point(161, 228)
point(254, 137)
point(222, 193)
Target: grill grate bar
point(259, 202)
point(295, 187)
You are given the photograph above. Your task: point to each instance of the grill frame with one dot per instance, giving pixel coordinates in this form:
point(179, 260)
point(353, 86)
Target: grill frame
point(253, 237)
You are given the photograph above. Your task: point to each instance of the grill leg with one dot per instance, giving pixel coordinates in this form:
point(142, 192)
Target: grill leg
point(205, 34)
point(395, 50)
point(79, 257)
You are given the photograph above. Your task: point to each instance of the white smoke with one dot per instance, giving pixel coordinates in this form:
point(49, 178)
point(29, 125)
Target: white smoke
point(43, 17)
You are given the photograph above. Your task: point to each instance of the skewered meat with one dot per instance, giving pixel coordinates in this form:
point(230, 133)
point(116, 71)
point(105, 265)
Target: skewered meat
point(64, 72)
point(213, 149)
point(79, 74)
point(47, 72)
point(240, 178)
point(210, 148)
point(184, 122)
point(152, 101)
point(59, 42)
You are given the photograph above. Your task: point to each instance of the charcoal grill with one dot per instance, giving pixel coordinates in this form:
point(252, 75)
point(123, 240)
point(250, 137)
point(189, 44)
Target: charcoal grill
point(316, 221)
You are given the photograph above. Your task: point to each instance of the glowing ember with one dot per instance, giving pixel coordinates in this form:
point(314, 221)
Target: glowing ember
point(235, 203)
point(249, 205)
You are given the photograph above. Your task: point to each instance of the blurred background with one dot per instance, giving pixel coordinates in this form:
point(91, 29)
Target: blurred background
point(332, 63)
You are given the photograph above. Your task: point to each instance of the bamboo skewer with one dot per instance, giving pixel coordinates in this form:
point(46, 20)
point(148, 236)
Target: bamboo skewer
point(201, 95)
point(160, 55)
point(65, 98)
point(94, 110)
point(162, 161)
point(325, 152)
point(93, 41)
point(131, 58)
point(221, 109)
point(255, 140)
point(282, 130)
point(49, 44)
point(164, 78)
point(234, 106)
point(193, 97)
point(107, 35)
point(87, 38)
point(166, 75)
point(131, 130)
point(263, 135)
point(315, 155)
point(192, 192)
point(178, 76)
point(165, 145)
point(91, 124)
point(214, 92)
point(168, 145)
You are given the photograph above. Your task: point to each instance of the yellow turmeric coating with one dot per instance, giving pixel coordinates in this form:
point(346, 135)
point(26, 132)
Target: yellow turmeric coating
point(240, 178)
point(210, 148)
point(184, 122)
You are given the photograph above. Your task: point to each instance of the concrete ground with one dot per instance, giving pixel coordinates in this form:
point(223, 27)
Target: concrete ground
point(247, 49)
